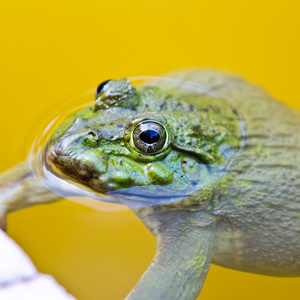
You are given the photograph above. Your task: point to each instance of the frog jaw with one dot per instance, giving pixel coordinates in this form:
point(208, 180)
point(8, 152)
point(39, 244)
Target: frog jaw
point(104, 169)
point(113, 169)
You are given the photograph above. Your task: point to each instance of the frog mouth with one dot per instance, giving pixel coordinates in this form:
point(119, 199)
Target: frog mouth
point(73, 167)
point(118, 179)
point(117, 182)
point(117, 176)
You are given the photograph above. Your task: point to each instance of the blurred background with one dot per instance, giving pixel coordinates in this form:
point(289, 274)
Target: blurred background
point(53, 50)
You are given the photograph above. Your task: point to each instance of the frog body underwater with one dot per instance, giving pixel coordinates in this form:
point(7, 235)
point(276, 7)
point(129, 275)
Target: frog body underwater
point(214, 180)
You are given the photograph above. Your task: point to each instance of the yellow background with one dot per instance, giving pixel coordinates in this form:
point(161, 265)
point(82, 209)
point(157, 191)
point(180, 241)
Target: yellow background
point(51, 50)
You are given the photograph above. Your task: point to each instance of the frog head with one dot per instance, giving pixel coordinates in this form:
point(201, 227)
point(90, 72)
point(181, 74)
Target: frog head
point(149, 144)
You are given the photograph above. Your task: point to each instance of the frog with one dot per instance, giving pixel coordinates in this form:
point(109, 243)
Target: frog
point(210, 165)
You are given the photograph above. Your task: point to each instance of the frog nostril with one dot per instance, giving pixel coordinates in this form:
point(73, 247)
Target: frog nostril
point(90, 139)
point(92, 134)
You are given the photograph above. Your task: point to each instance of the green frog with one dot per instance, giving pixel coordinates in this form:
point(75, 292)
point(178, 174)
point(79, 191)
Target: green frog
point(213, 174)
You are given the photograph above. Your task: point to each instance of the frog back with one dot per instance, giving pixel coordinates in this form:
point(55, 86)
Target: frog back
point(259, 200)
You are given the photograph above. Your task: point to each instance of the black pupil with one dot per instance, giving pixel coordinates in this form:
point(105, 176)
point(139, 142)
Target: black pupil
point(149, 136)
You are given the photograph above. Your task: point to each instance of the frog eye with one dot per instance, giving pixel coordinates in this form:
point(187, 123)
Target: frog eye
point(102, 87)
point(149, 136)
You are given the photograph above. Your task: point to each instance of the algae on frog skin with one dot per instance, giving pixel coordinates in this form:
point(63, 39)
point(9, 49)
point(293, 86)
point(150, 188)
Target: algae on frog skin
point(220, 185)
point(196, 137)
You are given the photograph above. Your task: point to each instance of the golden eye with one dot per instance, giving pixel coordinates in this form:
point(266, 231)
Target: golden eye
point(149, 136)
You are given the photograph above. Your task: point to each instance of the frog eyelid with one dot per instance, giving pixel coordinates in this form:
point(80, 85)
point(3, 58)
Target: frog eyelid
point(102, 87)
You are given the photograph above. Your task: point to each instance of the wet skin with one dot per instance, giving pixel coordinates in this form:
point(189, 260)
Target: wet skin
point(215, 178)
point(151, 138)
point(185, 163)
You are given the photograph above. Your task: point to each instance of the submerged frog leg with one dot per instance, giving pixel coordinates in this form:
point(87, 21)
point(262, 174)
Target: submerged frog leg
point(184, 247)
point(20, 189)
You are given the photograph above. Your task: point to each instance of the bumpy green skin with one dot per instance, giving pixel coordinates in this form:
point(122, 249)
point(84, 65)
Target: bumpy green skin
point(236, 204)
point(259, 203)
point(95, 146)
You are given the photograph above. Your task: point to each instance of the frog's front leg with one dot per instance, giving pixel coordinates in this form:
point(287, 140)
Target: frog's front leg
point(20, 189)
point(184, 247)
